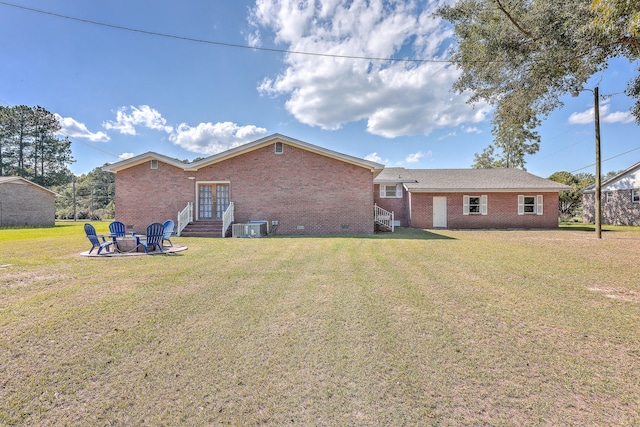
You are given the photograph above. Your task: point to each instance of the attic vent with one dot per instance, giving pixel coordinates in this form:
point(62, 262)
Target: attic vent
point(154, 164)
point(278, 148)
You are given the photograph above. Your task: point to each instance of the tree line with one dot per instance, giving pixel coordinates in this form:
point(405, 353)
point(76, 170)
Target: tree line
point(30, 146)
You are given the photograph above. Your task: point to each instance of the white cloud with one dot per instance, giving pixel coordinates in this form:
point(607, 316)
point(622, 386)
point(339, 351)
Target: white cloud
point(125, 156)
point(606, 116)
point(74, 129)
point(471, 129)
point(374, 157)
point(144, 115)
point(395, 98)
point(212, 138)
point(415, 157)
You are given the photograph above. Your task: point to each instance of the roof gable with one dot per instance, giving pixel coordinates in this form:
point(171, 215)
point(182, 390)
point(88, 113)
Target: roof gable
point(241, 149)
point(21, 180)
point(142, 158)
point(625, 180)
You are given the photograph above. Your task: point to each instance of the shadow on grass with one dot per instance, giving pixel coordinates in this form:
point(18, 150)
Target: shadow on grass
point(400, 233)
point(591, 227)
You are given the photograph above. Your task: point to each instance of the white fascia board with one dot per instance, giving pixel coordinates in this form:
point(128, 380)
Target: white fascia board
point(142, 158)
point(486, 190)
point(286, 140)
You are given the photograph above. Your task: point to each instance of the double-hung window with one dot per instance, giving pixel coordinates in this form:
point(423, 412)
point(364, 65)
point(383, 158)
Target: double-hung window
point(474, 205)
point(392, 191)
point(635, 195)
point(530, 205)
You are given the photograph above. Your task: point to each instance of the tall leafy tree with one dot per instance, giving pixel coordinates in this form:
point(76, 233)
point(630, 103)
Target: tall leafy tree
point(570, 202)
point(522, 56)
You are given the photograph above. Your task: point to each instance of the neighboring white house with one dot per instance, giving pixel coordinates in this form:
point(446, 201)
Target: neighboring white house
point(620, 199)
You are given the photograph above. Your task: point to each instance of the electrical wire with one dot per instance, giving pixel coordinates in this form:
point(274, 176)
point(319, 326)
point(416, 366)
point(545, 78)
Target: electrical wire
point(219, 43)
point(607, 159)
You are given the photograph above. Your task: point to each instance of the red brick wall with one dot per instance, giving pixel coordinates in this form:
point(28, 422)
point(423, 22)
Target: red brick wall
point(307, 193)
point(502, 211)
point(145, 195)
point(397, 206)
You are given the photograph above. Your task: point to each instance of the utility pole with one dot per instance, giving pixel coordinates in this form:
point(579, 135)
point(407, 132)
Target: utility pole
point(75, 215)
point(598, 199)
point(598, 195)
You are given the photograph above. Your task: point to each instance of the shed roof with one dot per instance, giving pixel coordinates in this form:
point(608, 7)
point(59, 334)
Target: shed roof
point(457, 180)
point(21, 180)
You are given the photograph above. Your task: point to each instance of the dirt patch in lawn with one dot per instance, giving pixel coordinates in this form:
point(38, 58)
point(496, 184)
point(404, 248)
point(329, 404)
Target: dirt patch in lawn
point(622, 294)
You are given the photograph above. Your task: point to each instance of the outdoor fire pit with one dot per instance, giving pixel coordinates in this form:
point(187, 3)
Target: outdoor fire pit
point(127, 243)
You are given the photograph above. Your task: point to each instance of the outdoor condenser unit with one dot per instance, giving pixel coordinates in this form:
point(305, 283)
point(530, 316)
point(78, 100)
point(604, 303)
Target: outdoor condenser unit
point(251, 229)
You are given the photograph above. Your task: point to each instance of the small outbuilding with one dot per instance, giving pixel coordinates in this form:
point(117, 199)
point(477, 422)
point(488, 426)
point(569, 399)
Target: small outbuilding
point(23, 203)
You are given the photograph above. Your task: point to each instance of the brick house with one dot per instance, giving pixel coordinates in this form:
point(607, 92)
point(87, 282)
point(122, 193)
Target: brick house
point(620, 199)
point(23, 203)
point(306, 189)
point(303, 188)
point(468, 198)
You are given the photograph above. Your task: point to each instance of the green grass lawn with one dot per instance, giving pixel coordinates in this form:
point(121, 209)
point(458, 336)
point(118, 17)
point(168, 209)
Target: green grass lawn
point(439, 328)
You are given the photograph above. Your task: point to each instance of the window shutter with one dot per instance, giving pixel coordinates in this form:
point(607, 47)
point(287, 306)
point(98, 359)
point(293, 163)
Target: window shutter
point(483, 205)
point(399, 191)
point(520, 205)
point(539, 205)
point(465, 205)
point(382, 190)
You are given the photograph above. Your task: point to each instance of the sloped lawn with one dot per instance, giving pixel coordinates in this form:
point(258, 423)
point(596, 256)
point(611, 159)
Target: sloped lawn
point(440, 328)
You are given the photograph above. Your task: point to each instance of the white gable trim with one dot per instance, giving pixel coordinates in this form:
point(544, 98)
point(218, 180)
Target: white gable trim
point(216, 158)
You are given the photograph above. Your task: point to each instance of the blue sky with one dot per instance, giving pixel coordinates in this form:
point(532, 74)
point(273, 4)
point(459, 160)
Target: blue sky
point(120, 93)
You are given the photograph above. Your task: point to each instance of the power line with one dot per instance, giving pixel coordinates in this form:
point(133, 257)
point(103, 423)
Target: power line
point(219, 43)
point(606, 160)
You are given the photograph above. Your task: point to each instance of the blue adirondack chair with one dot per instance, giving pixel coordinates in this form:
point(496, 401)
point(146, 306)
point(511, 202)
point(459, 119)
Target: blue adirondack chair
point(155, 234)
point(168, 231)
point(117, 229)
point(96, 241)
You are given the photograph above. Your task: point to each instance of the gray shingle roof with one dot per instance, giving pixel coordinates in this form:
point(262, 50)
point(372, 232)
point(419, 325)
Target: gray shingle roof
point(468, 180)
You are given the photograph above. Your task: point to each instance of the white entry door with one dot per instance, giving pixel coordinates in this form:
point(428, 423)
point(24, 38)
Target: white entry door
point(439, 212)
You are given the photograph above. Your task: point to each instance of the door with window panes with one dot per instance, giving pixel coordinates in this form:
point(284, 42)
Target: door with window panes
point(213, 200)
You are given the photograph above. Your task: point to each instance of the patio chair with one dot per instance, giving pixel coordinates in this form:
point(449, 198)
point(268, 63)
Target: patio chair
point(168, 231)
point(95, 239)
point(155, 234)
point(117, 229)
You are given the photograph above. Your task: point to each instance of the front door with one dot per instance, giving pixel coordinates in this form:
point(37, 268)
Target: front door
point(213, 200)
point(439, 212)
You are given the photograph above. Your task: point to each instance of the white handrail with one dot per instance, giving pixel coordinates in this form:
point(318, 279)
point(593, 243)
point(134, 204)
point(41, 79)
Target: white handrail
point(383, 217)
point(227, 219)
point(185, 217)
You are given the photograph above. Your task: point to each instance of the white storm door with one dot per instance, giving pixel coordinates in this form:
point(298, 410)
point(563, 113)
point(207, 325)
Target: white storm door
point(439, 212)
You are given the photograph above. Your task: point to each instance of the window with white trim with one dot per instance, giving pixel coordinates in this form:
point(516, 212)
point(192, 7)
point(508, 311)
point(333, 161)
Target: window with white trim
point(635, 195)
point(278, 148)
point(608, 197)
point(530, 205)
point(391, 191)
point(474, 205)
point(154, 164)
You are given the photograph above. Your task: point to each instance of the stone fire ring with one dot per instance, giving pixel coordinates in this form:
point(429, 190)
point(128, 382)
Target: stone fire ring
point(169, 250)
